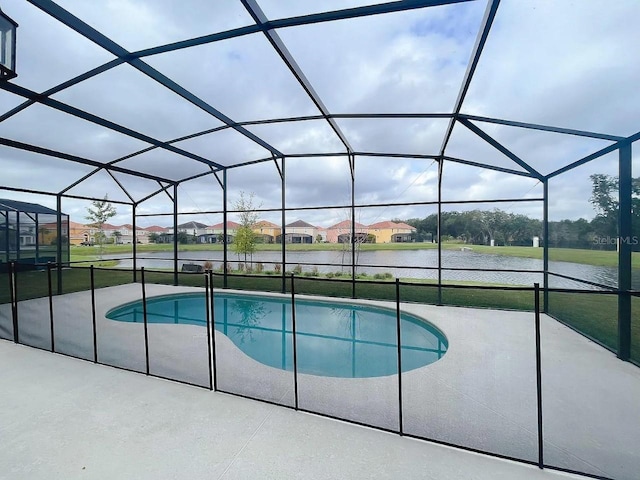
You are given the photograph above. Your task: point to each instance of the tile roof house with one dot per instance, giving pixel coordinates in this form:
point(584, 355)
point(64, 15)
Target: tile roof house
point(268, 231)
point(215, 233)
point(392, 232)
point(301, 232)
point(338, 232)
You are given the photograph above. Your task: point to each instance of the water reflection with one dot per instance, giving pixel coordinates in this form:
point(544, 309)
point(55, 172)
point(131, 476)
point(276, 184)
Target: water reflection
point(247, 315)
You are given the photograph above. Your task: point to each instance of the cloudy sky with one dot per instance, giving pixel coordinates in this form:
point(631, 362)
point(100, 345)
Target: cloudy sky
point(563, 63)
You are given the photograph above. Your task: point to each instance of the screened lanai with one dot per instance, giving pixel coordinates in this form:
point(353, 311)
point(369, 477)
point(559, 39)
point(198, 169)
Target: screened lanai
point(440, 121)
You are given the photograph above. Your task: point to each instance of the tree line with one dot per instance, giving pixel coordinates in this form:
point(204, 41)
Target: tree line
point(479, 227)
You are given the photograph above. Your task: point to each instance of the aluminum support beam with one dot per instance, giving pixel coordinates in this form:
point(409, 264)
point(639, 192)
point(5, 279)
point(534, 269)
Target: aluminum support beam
point(112, 47)
point(276, 42)
point(544, 128)
point(73, 158)
point(481, 40)
point(501, 148)
point(626, 241)
point(357, 12)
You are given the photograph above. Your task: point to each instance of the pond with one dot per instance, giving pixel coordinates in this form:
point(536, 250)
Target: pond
point(419, 264)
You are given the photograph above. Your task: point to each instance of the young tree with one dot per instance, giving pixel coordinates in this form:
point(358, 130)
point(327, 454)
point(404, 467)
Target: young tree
point(245, 241)
point(98, 214)
point(117, 236)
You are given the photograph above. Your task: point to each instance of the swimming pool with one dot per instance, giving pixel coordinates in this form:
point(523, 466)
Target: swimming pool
point(332, 339)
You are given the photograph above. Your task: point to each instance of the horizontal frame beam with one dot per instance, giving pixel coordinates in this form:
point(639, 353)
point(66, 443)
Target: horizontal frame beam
point(545, 128)
point(73, 158)
point(76, 112)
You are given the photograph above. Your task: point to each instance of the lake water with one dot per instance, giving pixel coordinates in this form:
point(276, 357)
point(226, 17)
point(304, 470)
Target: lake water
point(403, 263)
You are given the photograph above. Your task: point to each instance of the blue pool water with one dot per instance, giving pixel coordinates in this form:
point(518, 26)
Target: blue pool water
point(332, 339)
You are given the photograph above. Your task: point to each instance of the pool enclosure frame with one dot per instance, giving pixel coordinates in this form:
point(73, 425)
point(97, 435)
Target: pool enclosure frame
point(34, 254)
point(217, 173)
point(621, 144)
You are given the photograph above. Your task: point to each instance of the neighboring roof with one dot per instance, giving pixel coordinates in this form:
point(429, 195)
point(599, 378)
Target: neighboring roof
point(265, 224)
point(385, 224)
point(405, 225)
point(108, 226)
point(192, 225)
point(391, 225)
point(155, 228)
point(300, 224)
point(345, 224)
point(15, 205)
point(230, 224)
point(77, 225)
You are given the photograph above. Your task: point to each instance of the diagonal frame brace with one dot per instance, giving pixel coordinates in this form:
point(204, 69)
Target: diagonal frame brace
point(501, 148)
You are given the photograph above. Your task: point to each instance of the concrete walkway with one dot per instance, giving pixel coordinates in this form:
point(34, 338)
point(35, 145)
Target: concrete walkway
point(64, 418)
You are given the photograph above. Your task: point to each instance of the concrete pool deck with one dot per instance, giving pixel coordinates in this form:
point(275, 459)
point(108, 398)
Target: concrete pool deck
point(63, 418)
point(481, 394)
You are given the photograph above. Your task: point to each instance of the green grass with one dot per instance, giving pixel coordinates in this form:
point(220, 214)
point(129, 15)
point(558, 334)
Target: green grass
point(596, 316)
point(593, 314)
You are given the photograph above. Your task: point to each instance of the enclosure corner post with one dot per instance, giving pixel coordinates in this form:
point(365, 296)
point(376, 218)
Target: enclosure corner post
point(14, 300)
point(354, 244)
point(283, 231)
point(93, 314)
point(50, 295)
point(225, 232)
point(208, 309)
point(545, 243)
point(175, 234)
point(536, 291)
point(144, 318)
point(294, 339)
point(212, 344)
point(439, 231)
point(625, 232)
point(399, 340)
point(135, 242)
point(59, 242)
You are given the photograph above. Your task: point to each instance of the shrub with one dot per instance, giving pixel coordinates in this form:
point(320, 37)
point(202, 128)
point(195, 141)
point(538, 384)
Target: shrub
point(208, 265)
point(314, 272)
point(297, 269)
point(259, 267)
point(240, 267)
point(277, 268)
point(329, 275)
